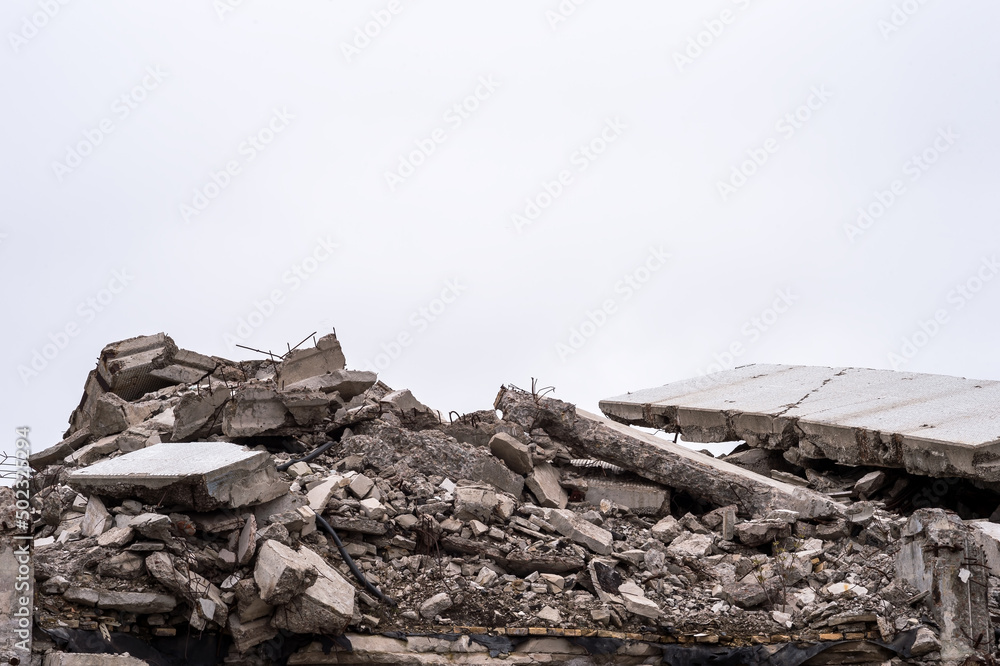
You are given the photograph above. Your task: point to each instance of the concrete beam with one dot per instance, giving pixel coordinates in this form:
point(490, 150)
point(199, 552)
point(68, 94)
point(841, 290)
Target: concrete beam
point(660, 460)
point(927, 424)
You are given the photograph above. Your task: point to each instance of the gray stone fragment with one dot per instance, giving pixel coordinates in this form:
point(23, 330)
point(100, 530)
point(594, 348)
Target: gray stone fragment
point(121, 565)
point(136, 602)
point(281, 573)
point(348, 384)
point(572, 526)
point(96, 519)
point(869, 484)
point(253, 411)
point(759, 532)
point(691, 545)
point(924, 643)
point(325, 607)
point(667, 529)
point(325, 357)
point(198, 409)
point(248, 634)
point(543, 482)
point(515, 454)
point(435, 605)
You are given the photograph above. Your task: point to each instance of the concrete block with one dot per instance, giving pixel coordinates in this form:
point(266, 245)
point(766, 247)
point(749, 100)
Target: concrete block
point(543, 482)
point(281, 573)
point(247, 543)
point(323, 608)
point(96, 519)
point(254, 410)
point(475, 503)
point(199, 409)
point(320, 494)
point(248, 634)
point(514, 453)
point(325, 357)
point(572, 526)
point(308, 408)
point(348, 384)
point(198, 475)
point(136, 602)
point(360, 486)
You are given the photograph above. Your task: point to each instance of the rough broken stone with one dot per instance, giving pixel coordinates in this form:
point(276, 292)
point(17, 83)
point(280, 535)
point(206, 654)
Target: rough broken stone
point(198, 409)
point(435, 605)
point(248, 634)
point(360, 486)
point(324, 607)
point(96, 519)
point(281, 573)
point(136, 602)
point(572, 526)
point(325, 357)
point(642, 499)
point(516, 455)
point(691, 545)
point(759, 532)
point(544, 485)
point(247, 544)
point(475, 502)
point(199, 475)
point(254, 410)
point(550, 615)
point(346, 383)
point(870, 484)
point(667, 529)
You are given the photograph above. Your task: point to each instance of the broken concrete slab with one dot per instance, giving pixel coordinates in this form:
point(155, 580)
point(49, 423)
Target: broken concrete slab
point(347, 383)
point(281, 573)
point(325, 357)
point(80, 659)
point(198, 475)
point(59, 451)
point(308, 408)
point(197, 411)
point(585, 533)
point(514, 453)
point(660, 460)
point(323, 608)
point(927, 424)
point(96, 519)
point(543, 482)
point(254, 410)
point(136, 602)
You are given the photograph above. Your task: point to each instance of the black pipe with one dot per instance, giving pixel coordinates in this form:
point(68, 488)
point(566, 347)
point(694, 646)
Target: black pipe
point(350, 562)
point(319, 450)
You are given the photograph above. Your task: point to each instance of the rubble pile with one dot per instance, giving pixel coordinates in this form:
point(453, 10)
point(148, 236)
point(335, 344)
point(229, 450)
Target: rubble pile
point(293, 511)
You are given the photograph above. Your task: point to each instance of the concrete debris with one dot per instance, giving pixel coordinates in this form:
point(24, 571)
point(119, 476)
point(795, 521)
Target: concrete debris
point(545, 535)
point(198, 475)
point(927, 424)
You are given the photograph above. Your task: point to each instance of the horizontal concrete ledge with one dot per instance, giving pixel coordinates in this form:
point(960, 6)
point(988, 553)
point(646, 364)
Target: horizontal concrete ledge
point(200, 475)
point(928, 424)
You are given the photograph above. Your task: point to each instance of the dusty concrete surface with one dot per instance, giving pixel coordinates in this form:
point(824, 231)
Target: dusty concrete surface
point(927, 424)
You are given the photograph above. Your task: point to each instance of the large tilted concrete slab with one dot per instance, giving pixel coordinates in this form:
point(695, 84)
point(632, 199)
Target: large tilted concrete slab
point(660, 460)
point(198, 475)
point(928, 424)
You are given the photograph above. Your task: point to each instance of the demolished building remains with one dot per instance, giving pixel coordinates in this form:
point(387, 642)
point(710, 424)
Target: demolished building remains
point(292, 511)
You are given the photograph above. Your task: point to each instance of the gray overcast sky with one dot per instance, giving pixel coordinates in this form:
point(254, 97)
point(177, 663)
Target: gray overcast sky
point(604, 195)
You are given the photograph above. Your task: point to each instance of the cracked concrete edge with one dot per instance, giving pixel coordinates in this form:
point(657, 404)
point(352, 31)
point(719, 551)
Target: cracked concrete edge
point(781, 428)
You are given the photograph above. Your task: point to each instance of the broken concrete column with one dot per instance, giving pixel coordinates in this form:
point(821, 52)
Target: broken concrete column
point(662, 461)
point(301, 364)
point(199, 475)
point(941, 555)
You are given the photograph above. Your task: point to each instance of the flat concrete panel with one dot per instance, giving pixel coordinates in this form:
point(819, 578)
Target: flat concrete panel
point(928, 424)
point(202, 475)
